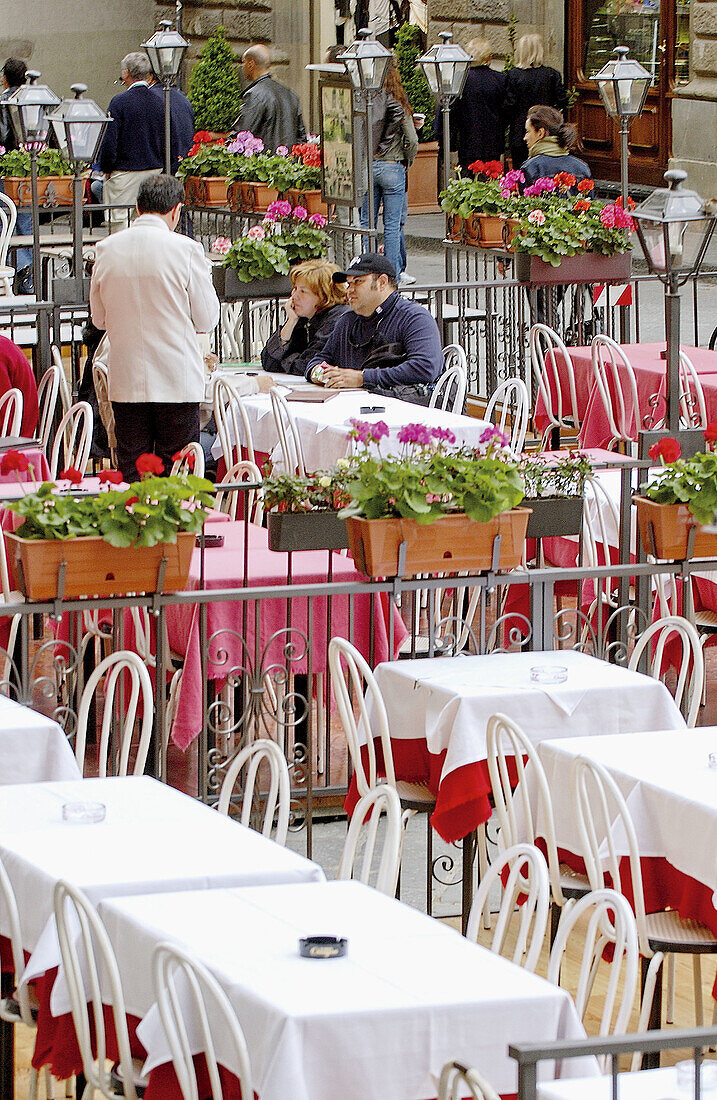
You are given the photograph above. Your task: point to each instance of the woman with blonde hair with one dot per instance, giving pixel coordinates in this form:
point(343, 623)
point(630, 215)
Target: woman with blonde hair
point(529, 82)
point(314, 307)
point(478, 115)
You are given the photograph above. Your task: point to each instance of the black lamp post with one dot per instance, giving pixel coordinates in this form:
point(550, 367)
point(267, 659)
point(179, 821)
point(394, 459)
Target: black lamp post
point(675, 228)
point(623, 85)
point(79, 125)
point(165, 50)
point(366, 62)
point(29, 109)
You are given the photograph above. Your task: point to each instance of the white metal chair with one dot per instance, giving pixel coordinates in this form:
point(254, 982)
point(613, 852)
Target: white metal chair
point(693, 410)
point(11, 404)
point(65, 392)
point(226, 501)
point(289, 439)
point(121, 663)
point(74, 438)
point(278, 796)
point(365, 820)
point(456, 1079)
point(527, 874)
point(519, 820)
point(617, 387)
point(47, 395)
point(512, 398)
point(610, 922)
point(8, 217)
point(93, 983)
point(603, 815)
point(101, 381)
point(548, 354)
point(232, 423)
point(691, 665)
point(190, 460)
point(9, 596)
point(194, 1009)
point(450, 390)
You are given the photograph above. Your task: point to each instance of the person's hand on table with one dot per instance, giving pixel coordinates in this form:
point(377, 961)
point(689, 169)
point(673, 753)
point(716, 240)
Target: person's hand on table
point(342, 378)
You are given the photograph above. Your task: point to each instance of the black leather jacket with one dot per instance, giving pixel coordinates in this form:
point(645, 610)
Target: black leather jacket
point(272, 112)
point(386, 122)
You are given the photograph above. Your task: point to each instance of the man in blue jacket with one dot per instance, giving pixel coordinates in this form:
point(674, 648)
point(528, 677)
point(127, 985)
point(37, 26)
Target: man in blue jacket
point(133, 145)
point(385, 344)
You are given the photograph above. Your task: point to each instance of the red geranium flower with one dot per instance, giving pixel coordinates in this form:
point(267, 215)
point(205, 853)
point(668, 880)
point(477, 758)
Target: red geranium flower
point(149, 464)
point(132, 500)
point(190, 458)
point(476, 166)
point(711, 433)
point(667, 450)
point(114, 477)
point(72, 475)
point(14, 461)
point(565, 179)
point(585, 185)
point(582, 204)
point(493, 169)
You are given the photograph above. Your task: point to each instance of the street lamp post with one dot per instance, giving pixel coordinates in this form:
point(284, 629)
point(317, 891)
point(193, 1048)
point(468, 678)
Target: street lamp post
point(366, 62)
point(674, 227)
point(165, 50)
point(29, 108)
point(79, 126)
point(623, 85)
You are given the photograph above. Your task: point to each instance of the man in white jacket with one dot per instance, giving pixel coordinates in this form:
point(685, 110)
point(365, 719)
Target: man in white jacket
point(152, 292)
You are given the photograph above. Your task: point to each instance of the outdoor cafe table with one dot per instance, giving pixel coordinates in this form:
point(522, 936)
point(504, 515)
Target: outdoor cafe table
point(303, 624)
point(649, 365)
point(438, 711)
point(33, 748)
point(670, 790)
point(409, 995)
point(153, 839)
point(324, 426)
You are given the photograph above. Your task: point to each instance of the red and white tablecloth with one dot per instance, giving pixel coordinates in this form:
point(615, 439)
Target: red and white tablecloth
point(238, 646)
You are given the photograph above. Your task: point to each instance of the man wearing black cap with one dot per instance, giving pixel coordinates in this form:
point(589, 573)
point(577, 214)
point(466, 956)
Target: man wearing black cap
point(386, 344)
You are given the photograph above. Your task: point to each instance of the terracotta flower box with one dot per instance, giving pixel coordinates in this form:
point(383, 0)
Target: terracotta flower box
point(290, 531)
point(491, 230)
point(257, 197)
point(665, 531)
point(553, 516)
point(51, 190)
point(586, 267)
point(208, 191)
point(454, 227)
point(310, 200)
point(449, 544)
point(471, 229)
point(94, 568)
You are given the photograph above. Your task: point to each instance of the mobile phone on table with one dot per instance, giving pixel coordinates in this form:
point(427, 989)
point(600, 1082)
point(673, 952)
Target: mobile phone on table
point(372, 409)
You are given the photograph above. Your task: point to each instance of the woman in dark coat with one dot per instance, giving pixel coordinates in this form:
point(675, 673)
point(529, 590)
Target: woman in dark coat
point(315, 305)
point(478, 115)
point(528, 83)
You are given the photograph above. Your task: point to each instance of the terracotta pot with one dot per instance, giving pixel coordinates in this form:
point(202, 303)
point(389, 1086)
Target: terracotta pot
point(306, 531)
point(665, 531)
point(51, 190)
point(586, 267)
point(94, 568)
point(449, 544)
point(454, 227)
point(210, 191)
point(258, 197)
point(510, 228)
point(423, 180)
point(491, 230)
point(310, 200)
point(471, 229)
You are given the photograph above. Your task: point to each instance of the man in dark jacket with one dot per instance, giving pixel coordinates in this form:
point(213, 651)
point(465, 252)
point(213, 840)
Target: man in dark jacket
point(386, 344)
point(268, 109)
point(133, 146)
point(181, 120)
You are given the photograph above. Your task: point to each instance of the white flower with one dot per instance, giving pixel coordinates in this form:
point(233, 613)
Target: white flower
point(324, 482)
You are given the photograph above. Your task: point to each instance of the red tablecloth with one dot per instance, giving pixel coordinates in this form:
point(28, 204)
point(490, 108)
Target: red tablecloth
point(363, 620)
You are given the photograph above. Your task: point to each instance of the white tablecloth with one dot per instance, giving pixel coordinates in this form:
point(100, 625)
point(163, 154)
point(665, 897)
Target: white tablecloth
point(33, 748)
point(379, 1023)
point(450, 699)
point(669, 788)
point(153, 839)
point(324, 426)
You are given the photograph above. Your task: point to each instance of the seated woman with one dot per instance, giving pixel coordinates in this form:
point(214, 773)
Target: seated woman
point(550, 140)
point(315, 305)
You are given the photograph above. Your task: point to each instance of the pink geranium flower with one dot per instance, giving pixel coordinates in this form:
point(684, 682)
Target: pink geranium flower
point(537, 217)
point(256, 233)
point(317, 220)
point(221, 245)
point(301, 213)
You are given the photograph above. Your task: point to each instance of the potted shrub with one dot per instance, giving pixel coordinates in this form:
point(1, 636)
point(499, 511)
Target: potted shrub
point(303, 511)
point(112, 542)
point(432, 507)
point(213, 86)
point(423, 175)
point(257, 263)
point(205, 170)
point(54, 184)
point(554, 493)
point(672, 510)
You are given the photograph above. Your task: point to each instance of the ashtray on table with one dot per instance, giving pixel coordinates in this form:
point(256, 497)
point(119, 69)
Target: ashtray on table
point(84, 813)
point(548, 674)
point(323, 947)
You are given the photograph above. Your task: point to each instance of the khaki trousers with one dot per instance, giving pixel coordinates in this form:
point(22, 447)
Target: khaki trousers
point(121, 188)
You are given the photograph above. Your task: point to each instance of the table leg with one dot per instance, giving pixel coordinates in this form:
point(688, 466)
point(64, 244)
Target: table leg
point(7, 1046)
point(469, 843)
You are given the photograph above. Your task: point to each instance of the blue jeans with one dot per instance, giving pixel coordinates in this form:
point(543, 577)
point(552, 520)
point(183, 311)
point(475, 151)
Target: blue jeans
point(389, 187)
point(404, 215)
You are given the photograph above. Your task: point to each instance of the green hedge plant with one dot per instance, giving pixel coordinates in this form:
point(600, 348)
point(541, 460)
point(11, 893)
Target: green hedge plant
point(213, 86)
point(409, 47)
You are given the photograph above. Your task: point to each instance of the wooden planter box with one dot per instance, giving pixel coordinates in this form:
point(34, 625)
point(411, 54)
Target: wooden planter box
point(306, 531)
point(256, 198)
point(449, 544)
point(665, 531)
point(51, 190)
point(94, 568)
point(423, 180)
point(586, 267)
point(491, 230)
point(230, 288)
point(210, 191)
point(454, 227)
point(310, 200)
point(554, 516)
point(471, 229)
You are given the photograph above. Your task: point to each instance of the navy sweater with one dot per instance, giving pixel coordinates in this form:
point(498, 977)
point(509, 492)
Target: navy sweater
point(134, 140)
point(181, 119)
point(398, 321)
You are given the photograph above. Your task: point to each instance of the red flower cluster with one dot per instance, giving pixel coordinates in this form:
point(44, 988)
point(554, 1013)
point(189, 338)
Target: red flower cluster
point(309, 154)
point(491, 169)
point(582, 204)
point(666, 450)
point(630, 202)
point(14, 462)
point(71, 474)
point(204, 137)
point(190, 458)
point(614, 217)
point(149, 464)
point(565, 179)
point(113, 477)
point(586, 185)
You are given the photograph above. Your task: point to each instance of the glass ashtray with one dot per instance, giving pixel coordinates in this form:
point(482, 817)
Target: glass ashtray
point(548, 674)
point(84, 813)
point(686, 1075)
